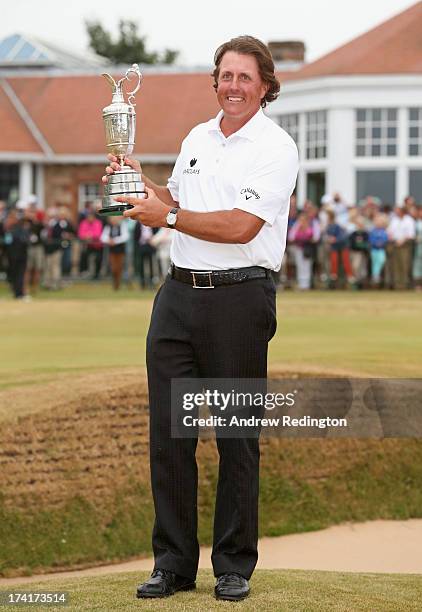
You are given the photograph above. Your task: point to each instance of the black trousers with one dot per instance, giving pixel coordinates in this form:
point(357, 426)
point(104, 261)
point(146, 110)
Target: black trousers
point(97, 256)
point(16, 275)
point(215, 333)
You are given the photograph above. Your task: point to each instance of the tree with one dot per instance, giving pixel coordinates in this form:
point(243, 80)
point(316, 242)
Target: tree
point(129, 48)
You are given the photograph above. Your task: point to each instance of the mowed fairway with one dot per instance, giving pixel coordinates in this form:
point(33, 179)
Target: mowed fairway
point(91, 329)
point(295, 591)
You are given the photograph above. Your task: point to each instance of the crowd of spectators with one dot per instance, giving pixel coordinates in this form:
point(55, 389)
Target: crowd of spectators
point(47, 248)
point(328, 246)
point(364, 246)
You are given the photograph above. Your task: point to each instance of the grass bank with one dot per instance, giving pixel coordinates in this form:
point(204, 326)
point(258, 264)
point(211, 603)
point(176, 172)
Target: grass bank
point(350, 480)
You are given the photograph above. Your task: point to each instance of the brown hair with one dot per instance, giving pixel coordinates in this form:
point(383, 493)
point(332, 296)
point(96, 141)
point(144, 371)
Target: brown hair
point(248, 45)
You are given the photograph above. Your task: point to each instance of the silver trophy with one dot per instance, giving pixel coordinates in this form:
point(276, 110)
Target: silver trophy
point(119, 124)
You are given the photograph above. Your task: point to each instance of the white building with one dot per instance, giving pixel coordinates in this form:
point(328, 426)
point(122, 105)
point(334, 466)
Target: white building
point(356, 115)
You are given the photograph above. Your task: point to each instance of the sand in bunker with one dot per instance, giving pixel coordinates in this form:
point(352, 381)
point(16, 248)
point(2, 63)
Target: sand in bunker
point(374, 546)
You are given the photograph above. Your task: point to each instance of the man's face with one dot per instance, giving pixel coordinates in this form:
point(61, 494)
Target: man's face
point(239, 88)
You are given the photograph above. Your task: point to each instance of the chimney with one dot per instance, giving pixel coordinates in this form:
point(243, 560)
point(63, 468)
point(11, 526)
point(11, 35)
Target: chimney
point(288, 54)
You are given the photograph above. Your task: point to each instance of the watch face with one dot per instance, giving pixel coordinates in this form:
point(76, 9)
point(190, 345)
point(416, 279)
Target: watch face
point(171, 218)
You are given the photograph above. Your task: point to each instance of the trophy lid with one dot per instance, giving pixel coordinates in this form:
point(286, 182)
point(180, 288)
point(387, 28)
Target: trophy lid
point(118, 103)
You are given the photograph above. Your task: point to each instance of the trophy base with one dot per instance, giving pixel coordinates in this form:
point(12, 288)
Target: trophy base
point(124, 182)
point(114, 211)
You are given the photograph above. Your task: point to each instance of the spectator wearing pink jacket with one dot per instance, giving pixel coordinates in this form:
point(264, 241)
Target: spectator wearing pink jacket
point(89, 233)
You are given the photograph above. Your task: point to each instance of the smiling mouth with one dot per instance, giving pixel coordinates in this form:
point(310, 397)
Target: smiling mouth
point(235, 99)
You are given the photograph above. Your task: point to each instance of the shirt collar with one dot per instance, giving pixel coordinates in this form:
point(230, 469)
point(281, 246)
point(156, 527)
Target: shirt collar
point(250, 130)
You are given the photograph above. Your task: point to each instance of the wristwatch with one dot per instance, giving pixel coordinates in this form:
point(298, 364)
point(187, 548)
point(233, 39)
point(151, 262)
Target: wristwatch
point(172, 217)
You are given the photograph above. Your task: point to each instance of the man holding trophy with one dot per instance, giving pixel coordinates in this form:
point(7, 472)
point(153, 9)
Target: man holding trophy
point(227, 202)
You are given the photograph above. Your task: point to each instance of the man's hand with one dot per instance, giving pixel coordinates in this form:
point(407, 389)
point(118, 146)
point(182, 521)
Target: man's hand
point(162, 192)
point(114, 166)
point(150, 211)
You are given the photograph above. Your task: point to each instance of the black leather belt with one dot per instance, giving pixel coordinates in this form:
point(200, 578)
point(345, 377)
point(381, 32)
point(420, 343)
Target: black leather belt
point(208, 279)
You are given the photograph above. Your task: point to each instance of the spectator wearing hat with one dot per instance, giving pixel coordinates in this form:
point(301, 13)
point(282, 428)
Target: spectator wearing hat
point(339, 251)
point(341, 210)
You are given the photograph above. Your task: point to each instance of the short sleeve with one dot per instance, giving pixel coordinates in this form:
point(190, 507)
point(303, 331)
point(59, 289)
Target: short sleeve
point(174, 180)
point(267, 189)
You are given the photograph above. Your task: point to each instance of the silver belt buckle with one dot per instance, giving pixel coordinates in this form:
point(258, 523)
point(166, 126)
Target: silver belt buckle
point(195, 286)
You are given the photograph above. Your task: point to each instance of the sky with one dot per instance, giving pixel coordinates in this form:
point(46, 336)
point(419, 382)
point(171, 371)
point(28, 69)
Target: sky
point(195, 27)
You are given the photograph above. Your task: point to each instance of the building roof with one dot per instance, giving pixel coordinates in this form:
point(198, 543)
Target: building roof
point(64, 113)
point(393, 47)
point(15, 136)
point(67, 112)
point(22, 51)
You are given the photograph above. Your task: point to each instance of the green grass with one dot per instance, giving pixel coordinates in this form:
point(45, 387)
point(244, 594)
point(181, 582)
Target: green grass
point(92, 328)
point(85, 291)
point(78, 532)
point(275, 590)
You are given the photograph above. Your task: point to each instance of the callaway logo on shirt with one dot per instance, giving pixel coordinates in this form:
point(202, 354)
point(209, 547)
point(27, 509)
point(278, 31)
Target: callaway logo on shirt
point(249, 192)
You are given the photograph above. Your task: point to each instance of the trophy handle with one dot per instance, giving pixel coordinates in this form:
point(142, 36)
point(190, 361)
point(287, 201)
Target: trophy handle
point(134, 69)
point(110, 80)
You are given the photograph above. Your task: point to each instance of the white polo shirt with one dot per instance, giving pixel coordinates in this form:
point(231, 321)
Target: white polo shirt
point(255, 170)
point(402, 228)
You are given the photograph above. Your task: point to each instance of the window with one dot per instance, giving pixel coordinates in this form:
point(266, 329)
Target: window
point(316, 134)
point(88, 192)
point(415, 131)
point(9, 183)
point(378, 183)
point(415, 185)
point(376, 132)
point(315, 186)
point(290, 123)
